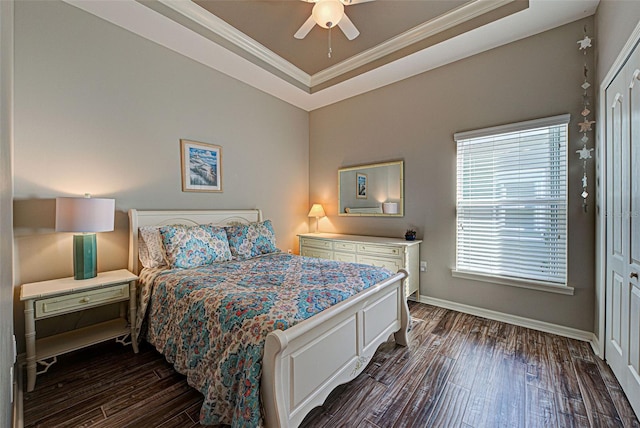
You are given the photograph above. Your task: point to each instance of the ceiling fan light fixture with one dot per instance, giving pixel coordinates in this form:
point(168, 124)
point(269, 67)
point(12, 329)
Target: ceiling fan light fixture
point(327, 13)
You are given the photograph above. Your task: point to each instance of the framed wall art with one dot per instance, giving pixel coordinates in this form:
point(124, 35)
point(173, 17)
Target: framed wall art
point(201, 167)
point(361, 186)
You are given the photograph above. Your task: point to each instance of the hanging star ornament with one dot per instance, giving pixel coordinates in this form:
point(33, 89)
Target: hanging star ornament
point(584, 153)
point(586, 125)
point(585, 43)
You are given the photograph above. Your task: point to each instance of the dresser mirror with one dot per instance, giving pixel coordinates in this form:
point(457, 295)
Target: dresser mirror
point(371, 190)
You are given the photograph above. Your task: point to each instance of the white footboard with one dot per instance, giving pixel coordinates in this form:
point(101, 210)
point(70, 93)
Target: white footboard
point(304, 363)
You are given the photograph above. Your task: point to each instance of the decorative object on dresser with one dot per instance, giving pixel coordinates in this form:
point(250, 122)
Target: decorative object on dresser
point(316, 211)
point(57, 297)
point(86, 215)
point(410, 235)
point(201, 166)
point(392, 253)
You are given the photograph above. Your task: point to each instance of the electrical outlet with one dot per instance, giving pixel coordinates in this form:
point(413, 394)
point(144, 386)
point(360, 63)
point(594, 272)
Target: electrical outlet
point(423, 266)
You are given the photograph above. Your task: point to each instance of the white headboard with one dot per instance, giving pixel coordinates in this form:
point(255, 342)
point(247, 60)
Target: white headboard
point(187, 217)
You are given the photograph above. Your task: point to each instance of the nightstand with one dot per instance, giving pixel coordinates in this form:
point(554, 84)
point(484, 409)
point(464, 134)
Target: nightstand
point(57, 297)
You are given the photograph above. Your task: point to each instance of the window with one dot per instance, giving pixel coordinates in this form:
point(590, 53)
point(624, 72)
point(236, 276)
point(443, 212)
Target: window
point(512, 202)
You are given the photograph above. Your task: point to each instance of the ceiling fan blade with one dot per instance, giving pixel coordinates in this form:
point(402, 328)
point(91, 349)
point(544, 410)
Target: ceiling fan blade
point(348, 28)
point(306, 27)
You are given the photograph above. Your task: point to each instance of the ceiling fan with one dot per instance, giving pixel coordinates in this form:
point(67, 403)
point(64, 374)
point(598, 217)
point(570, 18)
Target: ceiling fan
point(328, 14)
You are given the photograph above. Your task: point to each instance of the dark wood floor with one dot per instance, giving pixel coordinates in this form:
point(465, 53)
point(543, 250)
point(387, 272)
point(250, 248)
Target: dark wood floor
point(460, 371)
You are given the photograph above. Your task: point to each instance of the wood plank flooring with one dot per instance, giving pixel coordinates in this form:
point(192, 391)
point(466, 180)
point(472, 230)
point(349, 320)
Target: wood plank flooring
point(460, 371)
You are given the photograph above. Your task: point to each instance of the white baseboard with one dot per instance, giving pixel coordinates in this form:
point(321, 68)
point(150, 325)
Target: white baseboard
point(572, 333)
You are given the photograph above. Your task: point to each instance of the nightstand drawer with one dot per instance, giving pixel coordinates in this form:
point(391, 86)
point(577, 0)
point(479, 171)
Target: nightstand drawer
point(312, 252)
point(316, 243)
point(379, 250)
point(391, 264)
point(79, 301)
point(344, 246)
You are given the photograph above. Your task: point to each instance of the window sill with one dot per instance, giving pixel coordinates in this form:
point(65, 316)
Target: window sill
point(530, 284)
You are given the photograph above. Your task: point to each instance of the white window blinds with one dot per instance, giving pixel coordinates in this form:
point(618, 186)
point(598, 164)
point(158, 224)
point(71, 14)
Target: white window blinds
point(512, 200)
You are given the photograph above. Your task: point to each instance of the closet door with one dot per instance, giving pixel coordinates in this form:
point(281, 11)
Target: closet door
point(623, 228)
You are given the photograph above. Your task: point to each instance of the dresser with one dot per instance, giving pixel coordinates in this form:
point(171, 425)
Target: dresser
point(391, 253)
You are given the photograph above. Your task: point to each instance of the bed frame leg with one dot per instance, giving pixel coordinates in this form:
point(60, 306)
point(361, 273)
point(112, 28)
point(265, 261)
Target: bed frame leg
point(402, 335)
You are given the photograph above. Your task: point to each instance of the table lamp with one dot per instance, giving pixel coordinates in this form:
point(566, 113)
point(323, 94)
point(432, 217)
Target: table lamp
point(316, 211)
point(84, 216)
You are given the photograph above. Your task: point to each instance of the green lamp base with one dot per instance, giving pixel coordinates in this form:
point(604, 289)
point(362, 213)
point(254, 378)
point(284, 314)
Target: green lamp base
point(84, 256)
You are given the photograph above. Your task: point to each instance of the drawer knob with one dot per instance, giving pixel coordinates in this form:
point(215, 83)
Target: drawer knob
point(634, 275)
point(85, 300)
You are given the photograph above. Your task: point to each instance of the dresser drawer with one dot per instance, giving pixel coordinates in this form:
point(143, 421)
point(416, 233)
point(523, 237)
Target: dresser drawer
point(379, 250)
point(79, 301)
point(344, 246)
point(312, 252)
point(344, 257)
point(392, 264)
point(316, 243)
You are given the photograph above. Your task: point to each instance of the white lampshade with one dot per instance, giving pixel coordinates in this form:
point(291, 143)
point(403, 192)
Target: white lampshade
point(316, 211)
point(327, 13)
point(84, 214)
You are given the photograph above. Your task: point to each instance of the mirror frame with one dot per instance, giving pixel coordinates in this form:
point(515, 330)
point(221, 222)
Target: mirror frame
point(373, 165)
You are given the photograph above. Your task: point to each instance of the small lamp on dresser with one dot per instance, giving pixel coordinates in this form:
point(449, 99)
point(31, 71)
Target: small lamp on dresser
point(84, 216)
point(317, 211)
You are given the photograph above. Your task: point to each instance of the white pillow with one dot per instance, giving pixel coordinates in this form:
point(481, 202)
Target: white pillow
point(150, 247)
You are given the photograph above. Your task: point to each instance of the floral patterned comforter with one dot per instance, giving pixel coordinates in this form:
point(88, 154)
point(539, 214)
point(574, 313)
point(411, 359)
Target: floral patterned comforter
point(211, 322)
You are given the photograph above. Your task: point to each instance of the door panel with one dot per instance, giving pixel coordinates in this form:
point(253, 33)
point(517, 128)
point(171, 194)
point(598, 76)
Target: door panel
point(615, 343)
point(615, 309)
point(634, 332)
point(634, 171)
point(622, 152)
point(617, 113)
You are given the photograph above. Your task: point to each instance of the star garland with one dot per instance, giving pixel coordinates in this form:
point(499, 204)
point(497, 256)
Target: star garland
point(586, 124)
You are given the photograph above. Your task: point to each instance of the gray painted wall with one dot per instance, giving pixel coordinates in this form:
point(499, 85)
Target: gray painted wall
point(415, 120)
point(6, 227)
point(100, 110)
point(615, 21)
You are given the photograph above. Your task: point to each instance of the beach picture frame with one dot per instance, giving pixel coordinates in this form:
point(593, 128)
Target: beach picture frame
point(361, 185)
point(201, 165)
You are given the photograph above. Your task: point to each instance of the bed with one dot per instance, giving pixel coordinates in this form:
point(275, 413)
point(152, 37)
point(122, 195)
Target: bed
point(301, 363)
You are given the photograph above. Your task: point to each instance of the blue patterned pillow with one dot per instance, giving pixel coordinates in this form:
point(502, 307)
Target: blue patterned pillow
point(195, 246)
point(250, 240)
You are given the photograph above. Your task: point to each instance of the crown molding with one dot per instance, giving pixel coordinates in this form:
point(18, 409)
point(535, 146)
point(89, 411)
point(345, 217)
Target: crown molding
point(457, 16)
point(430, 28)
point(218, 26)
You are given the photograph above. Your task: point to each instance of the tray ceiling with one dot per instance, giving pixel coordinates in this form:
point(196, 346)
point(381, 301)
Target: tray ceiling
point(253, 40)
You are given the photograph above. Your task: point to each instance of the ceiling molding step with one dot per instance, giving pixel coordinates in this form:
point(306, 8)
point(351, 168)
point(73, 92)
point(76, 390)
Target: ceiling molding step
point(218, 26)
point(444, 22)
point(455, 17)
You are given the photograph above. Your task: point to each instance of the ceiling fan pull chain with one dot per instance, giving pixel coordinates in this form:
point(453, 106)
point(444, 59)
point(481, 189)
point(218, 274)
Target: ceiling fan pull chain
point(329, 53)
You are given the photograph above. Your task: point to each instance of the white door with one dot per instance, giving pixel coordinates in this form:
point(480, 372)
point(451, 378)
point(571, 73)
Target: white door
point(622, 147)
